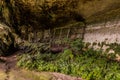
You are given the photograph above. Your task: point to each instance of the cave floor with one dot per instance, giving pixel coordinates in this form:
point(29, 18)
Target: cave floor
point(9, 71)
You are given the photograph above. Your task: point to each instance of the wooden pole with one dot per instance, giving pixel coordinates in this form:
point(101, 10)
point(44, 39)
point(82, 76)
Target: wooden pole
point(68, 33)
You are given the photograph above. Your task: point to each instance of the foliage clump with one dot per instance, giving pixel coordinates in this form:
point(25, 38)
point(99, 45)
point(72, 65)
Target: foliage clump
point(90, 64)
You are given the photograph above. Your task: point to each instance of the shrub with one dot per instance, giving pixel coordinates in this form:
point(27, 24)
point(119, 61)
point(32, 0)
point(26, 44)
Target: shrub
point(77, 46)
point(90, 65)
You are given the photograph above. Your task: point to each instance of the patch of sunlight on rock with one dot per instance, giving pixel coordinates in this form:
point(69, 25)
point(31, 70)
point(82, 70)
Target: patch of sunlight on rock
point(30, 75)
point(2, 75)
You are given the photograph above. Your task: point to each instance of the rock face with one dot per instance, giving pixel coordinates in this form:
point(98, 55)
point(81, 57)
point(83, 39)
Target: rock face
point(104, 32)
point(30, 16)
point(7, 41)
point(52, 13)
point(32, 19)
point(40, 13)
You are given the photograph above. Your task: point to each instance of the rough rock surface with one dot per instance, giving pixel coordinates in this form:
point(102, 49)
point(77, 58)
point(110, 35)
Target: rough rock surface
point(51, 13)
point(7, 40)
point(29, 18)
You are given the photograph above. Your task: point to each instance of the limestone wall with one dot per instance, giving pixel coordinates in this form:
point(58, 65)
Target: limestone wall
point(108, 32)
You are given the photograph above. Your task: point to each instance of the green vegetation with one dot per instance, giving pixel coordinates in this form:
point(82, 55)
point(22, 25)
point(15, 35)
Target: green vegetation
point(77, 60)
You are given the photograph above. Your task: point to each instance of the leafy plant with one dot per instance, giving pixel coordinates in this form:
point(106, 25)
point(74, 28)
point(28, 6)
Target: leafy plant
point(77, 46)
point(90, 65)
